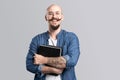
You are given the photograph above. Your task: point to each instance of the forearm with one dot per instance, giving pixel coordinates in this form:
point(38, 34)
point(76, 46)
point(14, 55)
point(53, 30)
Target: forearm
point(47, 70)
point(57, 62)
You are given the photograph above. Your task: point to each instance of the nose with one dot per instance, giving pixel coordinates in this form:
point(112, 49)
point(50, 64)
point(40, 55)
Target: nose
point(54, 15)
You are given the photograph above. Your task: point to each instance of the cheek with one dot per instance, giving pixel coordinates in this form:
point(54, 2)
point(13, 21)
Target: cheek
point(49, 17)
point(60, 17)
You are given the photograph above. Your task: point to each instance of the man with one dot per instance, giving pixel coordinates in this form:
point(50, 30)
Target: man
point(64, 65)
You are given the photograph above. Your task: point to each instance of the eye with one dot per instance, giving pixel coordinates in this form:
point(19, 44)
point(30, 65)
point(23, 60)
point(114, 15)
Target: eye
point(57, 13)
point(50, 13)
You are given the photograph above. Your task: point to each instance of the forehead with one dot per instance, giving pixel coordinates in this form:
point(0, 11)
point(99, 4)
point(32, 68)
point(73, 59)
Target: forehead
point(54, 8)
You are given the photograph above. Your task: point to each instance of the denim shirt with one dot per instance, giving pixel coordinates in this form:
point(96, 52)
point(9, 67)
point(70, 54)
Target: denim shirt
point(69, 43)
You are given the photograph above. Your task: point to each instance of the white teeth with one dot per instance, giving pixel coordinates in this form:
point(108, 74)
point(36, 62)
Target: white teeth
point(54, 20)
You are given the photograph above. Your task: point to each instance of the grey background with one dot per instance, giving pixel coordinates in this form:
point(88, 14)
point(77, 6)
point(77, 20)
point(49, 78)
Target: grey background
point(96, 22)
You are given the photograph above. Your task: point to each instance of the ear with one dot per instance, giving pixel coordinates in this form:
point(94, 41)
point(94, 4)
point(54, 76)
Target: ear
point(45, 17)
point(62, 17)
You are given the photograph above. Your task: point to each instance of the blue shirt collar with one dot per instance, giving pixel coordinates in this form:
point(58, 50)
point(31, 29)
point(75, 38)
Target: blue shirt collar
point(58, 35)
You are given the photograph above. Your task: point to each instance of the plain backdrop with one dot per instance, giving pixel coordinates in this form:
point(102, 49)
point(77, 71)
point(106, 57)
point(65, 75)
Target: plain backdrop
point(96, 22)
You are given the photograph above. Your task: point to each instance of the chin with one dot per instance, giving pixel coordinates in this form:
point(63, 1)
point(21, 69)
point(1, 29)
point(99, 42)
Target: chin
point(55, 27)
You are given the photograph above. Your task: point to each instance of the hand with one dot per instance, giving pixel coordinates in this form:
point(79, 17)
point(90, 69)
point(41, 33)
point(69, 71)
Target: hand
point(48, 69)
point(57, 71)
point(39, 59)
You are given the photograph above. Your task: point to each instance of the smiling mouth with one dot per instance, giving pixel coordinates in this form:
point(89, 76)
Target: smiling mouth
point(54, 20)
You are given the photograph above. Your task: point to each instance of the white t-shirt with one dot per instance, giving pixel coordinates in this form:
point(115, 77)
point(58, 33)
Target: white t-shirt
point(52, 77)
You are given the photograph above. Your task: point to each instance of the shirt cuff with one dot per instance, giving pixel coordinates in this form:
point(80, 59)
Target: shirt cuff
point(40, 68)
point(66, 57)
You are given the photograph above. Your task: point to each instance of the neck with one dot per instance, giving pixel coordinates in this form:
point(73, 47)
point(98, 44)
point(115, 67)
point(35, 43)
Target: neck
point(53, 33)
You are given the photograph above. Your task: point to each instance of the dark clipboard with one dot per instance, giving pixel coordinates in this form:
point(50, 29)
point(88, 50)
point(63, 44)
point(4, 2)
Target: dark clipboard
point(49, 51)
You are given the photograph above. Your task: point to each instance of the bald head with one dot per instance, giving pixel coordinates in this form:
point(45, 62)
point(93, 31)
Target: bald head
point(54, 6)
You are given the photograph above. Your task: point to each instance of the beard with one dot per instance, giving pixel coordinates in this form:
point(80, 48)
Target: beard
point(54, 27)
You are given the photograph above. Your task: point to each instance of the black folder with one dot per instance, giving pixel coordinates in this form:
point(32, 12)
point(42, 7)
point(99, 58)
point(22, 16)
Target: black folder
point(49, 51)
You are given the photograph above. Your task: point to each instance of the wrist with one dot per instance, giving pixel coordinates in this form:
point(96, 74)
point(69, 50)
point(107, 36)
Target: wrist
point(46, 60)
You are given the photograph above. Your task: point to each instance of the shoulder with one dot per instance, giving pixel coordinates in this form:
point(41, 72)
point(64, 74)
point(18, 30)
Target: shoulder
point(39, 36)
point(69, 34)
point(70, 38)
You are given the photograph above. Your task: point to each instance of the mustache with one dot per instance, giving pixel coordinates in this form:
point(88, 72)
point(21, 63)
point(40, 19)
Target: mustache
point(58, 19)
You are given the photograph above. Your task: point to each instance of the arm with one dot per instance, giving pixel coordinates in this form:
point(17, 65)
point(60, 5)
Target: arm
point(30, 66)
point(73, 50)
point(47, 70)
point(57, 62)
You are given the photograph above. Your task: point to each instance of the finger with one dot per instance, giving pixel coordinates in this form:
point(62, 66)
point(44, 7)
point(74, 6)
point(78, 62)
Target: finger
point(35, 62)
